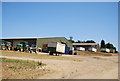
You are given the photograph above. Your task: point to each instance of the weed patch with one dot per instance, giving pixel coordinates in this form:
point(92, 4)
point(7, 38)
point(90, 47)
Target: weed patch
point(12, 68)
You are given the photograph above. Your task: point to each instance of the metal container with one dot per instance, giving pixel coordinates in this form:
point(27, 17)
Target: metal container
point(56, 47)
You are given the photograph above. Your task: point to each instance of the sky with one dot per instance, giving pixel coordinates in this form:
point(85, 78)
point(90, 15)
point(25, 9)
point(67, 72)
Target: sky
point(81, 20)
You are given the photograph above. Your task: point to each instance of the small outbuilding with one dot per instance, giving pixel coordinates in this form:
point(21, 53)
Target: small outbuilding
point(87, 46)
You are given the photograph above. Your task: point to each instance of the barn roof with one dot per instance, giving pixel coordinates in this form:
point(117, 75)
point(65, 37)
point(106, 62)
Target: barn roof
point(85, 44)
point(31, 37)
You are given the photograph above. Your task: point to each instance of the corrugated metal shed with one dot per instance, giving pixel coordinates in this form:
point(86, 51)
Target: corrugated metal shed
point(38, 41)
point(42, 41)
point(87, 45)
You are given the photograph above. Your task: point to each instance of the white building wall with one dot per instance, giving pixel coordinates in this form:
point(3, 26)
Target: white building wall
point(80, 48)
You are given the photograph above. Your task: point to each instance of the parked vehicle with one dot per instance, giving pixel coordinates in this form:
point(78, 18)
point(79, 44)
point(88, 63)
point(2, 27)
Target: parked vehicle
point(19, 47)
point(8, 45)
point(33, 48)
point(2, 47)
point(56, 48)
point(5, 45)
point(23, 47)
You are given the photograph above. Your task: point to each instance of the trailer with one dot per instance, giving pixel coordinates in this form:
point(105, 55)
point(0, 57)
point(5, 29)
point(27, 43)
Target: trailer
point(56, 48)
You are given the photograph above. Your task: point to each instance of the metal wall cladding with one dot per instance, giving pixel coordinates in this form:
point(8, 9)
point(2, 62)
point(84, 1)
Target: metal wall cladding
point(41, 41)
point(52, 49)
point(52, 44)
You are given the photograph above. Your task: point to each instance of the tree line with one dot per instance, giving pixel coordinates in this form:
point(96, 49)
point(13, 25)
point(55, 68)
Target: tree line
point(88, 41)
point(108, 45)
point(102, 45)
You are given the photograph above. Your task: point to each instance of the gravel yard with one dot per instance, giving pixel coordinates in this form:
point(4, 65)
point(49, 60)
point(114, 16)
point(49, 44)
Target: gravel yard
point(91, 67)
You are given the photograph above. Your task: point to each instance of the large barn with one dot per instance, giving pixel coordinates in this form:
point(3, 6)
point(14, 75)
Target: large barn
point(39, 42)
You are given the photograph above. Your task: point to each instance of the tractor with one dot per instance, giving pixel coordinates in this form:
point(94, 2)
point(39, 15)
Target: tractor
point(25, 46)
point(34, 49)
point(2, 45)
point(8, 45)
point(19, 47)
point(5, 45)
point(22, 47)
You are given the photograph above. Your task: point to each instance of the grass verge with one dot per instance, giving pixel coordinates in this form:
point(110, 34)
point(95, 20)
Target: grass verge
point(37, 56)
point(88, 53)
point(21, 69)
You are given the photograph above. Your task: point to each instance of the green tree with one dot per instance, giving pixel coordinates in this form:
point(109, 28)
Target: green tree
point(110, 46)
point(102, 44)
point(78, 41)
point(90, 41)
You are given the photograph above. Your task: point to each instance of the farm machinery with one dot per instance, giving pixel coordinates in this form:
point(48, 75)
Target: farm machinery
point(9, 45)
point(35, 49)
point(22, 47)
point(56, 48)
point(5, 45)
point(25, 47)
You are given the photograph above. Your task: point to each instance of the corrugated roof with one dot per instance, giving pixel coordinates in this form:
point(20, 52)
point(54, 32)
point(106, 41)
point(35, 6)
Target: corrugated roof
point(18, 38)
point(85, 44)
point(32, 37)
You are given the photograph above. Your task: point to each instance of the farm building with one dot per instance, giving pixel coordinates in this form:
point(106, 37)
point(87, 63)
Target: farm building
point(86, 47)
point(39, 42)
point(16, 41)
point(107, 50)
point(43, 41)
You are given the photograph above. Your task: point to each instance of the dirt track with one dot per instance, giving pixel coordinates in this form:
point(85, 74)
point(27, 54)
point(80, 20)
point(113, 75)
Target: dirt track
point(92, 67)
